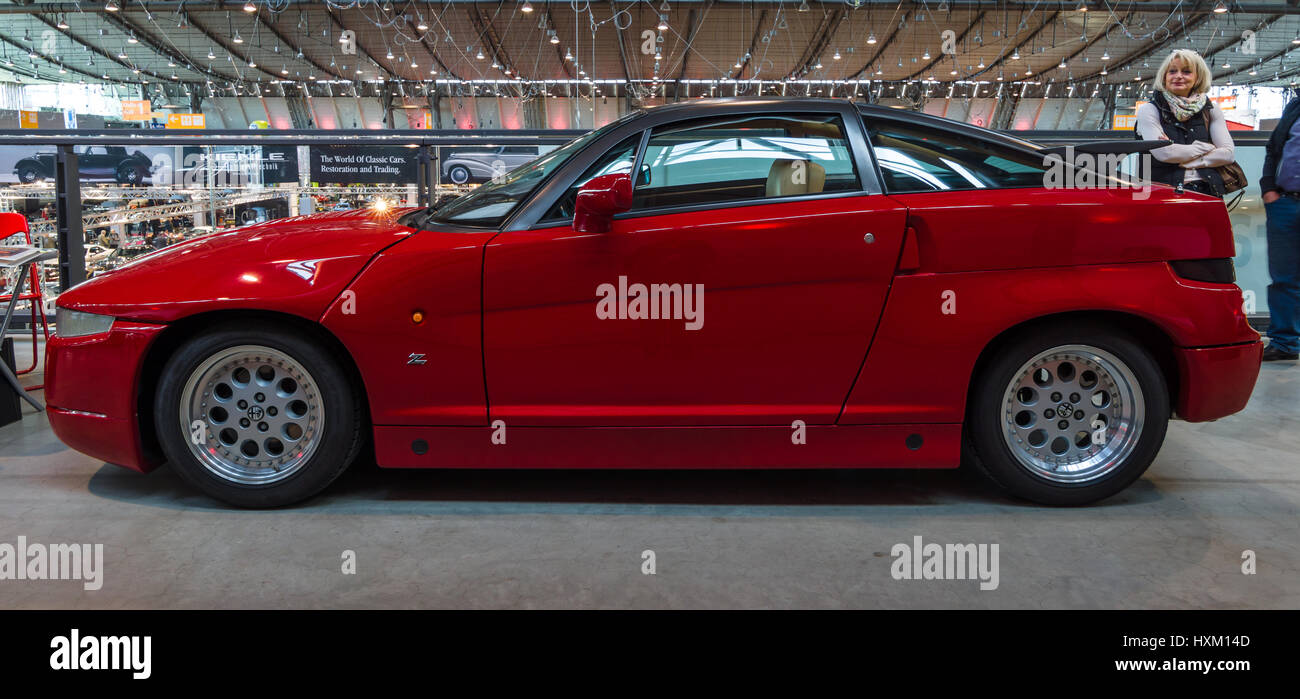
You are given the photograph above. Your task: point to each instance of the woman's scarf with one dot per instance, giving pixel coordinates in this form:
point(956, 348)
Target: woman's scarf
point(1185, 108)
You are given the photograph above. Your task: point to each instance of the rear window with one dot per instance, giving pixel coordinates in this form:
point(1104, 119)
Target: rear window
point(918, 159)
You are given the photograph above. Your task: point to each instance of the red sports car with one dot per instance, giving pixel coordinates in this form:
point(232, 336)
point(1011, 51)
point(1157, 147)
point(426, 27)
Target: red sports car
point(723, 284)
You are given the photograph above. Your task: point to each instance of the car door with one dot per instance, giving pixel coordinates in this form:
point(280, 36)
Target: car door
point(742, 288)
point(90, 162)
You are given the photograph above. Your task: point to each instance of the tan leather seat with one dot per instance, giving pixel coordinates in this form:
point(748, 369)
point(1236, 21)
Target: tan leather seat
point(785, 178)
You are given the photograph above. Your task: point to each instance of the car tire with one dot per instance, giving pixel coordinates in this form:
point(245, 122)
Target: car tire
point(258, 416)
point(130, 174)
point(458, 174)
point(28, 175)
point(1068, 415)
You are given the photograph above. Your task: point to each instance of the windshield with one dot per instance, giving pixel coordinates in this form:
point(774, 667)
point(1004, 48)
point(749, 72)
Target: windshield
point(490, 204)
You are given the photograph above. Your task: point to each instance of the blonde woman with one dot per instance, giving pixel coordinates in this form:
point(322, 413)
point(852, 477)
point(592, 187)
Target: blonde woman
point(1182, 113)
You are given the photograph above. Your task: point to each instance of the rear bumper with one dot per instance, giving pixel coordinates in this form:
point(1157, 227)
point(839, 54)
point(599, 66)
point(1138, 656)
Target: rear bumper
point(91, 389)
point(1216, 381)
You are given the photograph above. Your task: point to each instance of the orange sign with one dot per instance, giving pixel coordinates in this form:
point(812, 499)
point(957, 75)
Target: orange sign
point(186, 121)
point(137, 110)
point(27, 120)
point(1124, 122)
point(1226, 102)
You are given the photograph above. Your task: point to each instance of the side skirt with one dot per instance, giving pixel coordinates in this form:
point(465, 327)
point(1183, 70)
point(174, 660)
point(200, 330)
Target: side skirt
point(825, 446)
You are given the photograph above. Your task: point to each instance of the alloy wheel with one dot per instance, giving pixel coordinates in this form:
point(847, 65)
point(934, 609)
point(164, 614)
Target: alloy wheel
point(252, 414)
point(1072, 414)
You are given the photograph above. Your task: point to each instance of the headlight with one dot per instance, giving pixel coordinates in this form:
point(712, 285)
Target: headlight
point(76, 324)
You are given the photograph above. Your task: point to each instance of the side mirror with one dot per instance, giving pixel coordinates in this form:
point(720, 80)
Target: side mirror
point(599, 200)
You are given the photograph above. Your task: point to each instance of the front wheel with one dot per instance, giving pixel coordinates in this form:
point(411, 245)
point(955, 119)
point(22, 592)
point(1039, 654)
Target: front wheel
point(1069, 416)
point(458, 174)
point(130, 175)
point(257, 416)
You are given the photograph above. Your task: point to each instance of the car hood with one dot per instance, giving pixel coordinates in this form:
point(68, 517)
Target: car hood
point(296, 265)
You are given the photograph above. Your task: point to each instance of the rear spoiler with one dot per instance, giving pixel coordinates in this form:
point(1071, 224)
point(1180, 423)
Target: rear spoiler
point(1106, 147)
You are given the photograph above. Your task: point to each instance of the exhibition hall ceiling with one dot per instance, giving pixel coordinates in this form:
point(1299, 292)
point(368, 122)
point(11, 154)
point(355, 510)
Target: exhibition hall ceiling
point(639, 45)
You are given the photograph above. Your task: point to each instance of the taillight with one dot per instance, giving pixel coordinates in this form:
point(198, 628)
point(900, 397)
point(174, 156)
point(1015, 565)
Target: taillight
point(1218, 271)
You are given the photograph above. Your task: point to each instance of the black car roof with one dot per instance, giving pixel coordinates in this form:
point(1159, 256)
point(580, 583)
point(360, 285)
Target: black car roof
point(704, 107)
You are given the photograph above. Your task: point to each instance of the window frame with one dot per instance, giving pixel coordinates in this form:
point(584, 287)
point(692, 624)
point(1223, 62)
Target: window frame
point(528, 217)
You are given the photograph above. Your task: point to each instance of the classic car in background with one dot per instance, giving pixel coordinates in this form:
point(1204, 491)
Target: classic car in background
point(461, 166)
point(93, 163)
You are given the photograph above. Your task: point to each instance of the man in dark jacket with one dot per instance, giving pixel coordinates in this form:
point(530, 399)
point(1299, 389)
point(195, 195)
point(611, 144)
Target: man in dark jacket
point(1280, 184)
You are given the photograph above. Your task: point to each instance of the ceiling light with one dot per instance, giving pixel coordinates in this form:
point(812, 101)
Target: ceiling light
point(122, 54)
point(389, 56)
point(1105, 56)
point(63, 24)
point(1083, 7)
point(663, 23)
point(211, 55)
point(252, 64)
point(284, 70)
point(871, 38)
point(479, 55)
point(130, 38)
point(422, 26)
point(1220, 8)
point(238, 39)
point(250, 7)
point(836, 56)
point(528, 7)
point(554, 39)
point(1015, 55)
point(567, 55)
point(111, 6)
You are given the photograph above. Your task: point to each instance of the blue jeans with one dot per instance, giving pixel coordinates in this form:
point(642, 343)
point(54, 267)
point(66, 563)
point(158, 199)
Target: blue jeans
point(1284, 269)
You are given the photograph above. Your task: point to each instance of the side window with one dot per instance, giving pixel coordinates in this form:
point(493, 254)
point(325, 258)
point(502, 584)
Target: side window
point(617, 160)
point(744, 157)
point(914, 159)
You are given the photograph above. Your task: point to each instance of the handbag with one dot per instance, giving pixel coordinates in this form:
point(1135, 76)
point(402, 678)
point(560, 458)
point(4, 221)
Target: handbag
point(1234, 178)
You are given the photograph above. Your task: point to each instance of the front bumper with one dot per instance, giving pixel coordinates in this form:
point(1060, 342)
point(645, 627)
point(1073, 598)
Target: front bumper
point(1216, 381)
point(91, 389)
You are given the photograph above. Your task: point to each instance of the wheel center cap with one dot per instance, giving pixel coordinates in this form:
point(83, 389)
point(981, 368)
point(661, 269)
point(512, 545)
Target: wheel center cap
point(1065, 409)
point(255, 412)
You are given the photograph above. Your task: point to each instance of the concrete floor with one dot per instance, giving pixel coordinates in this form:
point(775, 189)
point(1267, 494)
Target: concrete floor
point(564, 539)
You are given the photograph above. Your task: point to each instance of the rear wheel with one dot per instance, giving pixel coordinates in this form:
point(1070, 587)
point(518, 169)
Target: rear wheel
point(1070, 415)
point(256, 416)
point(28, 174)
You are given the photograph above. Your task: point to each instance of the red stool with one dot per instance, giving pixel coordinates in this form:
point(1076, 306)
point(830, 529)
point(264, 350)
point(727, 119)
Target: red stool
point(11, 224)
